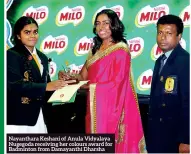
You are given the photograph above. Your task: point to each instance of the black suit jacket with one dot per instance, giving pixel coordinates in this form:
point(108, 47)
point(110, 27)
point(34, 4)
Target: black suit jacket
point(26, 88)
point(168, 124)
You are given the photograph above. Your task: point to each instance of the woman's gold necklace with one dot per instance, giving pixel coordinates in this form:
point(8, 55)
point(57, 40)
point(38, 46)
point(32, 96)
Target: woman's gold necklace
point(103, 48)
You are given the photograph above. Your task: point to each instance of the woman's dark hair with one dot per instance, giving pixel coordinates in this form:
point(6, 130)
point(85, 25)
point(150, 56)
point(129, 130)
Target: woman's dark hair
point(172, 19)
point(19, 25)
point(116, 26)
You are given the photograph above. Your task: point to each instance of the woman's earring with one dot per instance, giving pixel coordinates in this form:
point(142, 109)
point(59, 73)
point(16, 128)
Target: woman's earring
point(18, 37)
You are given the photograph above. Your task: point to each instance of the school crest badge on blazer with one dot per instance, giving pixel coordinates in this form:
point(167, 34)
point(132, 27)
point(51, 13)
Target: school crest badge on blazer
point(171, 84)
point(26, 76)
point(25, 100)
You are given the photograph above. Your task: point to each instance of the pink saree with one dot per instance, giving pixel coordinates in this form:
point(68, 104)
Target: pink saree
point(112, 103)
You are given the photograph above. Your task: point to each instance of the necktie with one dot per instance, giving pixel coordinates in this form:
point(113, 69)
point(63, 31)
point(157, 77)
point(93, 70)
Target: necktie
point(36, 60)
point(162, 63)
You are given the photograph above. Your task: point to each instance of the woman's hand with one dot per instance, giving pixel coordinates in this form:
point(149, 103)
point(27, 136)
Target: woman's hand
point(62, 75)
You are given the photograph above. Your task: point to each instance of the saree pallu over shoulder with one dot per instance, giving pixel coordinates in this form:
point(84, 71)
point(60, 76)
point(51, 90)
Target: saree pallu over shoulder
point(101, 54)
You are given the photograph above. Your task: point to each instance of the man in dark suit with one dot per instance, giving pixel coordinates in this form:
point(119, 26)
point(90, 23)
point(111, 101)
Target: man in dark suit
point(168, 123)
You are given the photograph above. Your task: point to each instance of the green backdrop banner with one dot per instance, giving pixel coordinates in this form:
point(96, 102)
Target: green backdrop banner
point(66, 30)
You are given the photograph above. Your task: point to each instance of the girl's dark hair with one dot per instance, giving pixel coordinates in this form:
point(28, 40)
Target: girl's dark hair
point(116, 26)
point(19, 25)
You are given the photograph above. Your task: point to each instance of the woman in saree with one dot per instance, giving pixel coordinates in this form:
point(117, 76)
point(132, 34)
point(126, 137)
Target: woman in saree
point(112, 105)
